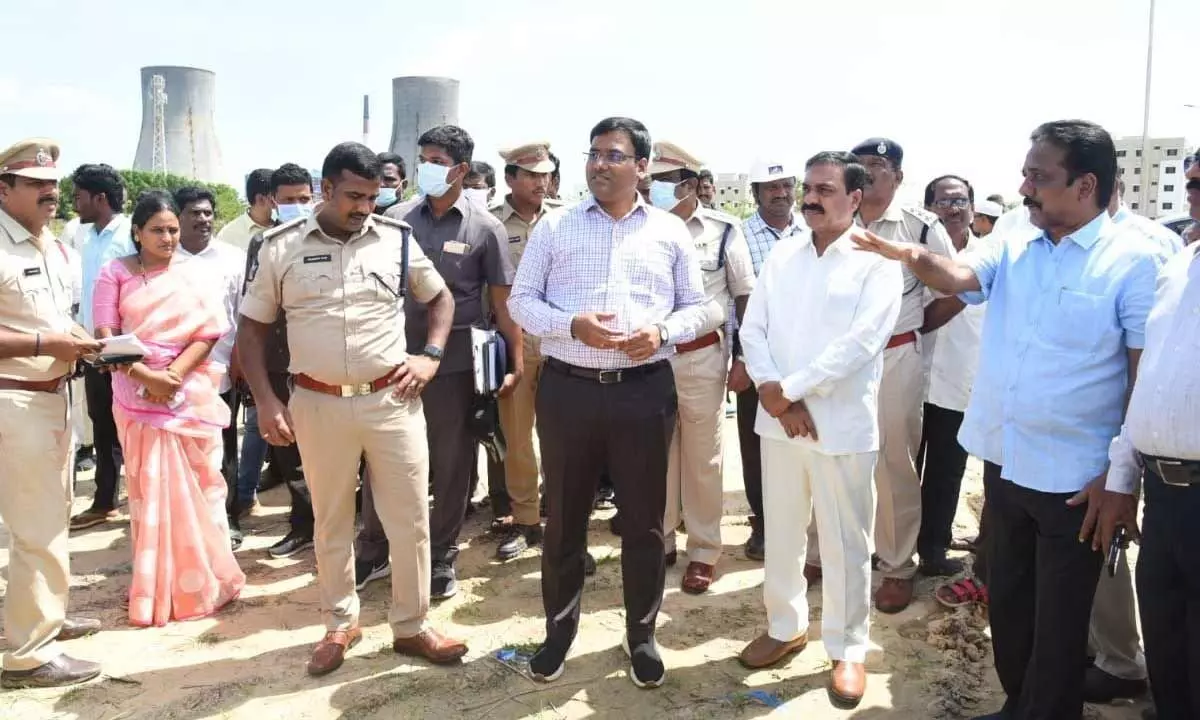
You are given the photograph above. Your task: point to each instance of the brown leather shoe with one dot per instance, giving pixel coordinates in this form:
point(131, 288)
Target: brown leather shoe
point(329, 654)
point(59, 672)
point(894, 595)
point(765, 651)
point(75, 628)
point(431, 645)
point(847, 683)
point(812, 573)
point(697, 578)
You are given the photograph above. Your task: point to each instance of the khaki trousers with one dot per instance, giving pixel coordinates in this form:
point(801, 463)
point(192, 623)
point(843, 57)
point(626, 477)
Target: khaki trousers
point(838, 490)
point(521, 474)
point(694, 489)
point(35, 504)
point(333, 433)
point(80, 422)
point(1113, 633)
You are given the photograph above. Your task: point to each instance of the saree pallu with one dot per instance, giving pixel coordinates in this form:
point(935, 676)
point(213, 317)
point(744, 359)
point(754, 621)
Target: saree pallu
point(183, 566)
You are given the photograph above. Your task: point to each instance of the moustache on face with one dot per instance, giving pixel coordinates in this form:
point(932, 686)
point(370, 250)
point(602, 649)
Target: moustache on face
point(807, 207)
point(49, 199)
point(1193, 184)
point(1031, 203)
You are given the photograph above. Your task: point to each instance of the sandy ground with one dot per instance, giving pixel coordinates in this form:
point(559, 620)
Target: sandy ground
point(248, 662)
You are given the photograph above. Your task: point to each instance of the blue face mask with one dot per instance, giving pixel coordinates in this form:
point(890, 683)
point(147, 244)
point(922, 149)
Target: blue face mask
point(662, 194)
point(387, 196)
point(289, 212)
point(431, 179)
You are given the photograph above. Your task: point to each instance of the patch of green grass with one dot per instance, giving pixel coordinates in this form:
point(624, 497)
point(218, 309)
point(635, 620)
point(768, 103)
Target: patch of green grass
point(208, 637)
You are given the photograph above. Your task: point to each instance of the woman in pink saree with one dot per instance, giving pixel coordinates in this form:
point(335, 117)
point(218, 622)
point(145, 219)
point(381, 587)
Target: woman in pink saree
point(169, 418)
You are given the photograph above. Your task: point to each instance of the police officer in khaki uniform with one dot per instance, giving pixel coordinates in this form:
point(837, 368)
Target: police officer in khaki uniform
point(341, 280)
point(901, 391)
point(694, 490)
point(39, 345)
point(527, 171)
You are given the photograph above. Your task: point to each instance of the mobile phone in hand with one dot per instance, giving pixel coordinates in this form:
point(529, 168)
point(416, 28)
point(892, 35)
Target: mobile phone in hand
point(1119, 542)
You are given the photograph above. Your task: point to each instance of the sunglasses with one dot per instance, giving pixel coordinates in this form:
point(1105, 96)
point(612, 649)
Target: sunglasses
point(1191, 160)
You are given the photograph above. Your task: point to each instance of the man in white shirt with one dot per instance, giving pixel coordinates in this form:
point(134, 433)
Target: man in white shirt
point(818, 384)
point(227, 263)
point(1162, 235)
point(257, 217)
point(1159, 445)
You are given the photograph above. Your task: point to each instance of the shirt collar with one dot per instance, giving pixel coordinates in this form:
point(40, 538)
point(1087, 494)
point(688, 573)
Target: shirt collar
point(842, 245)
point(589, 203)
point(892, 214)
point(112, 226)
point(1088, 235)
point(311, 225)
point(16, 230)
point(791, 229)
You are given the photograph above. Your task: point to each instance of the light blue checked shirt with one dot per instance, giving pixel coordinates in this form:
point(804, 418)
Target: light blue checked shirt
point(1054, 364)
point(762, 237)
point(98, 248)
point(642, 267)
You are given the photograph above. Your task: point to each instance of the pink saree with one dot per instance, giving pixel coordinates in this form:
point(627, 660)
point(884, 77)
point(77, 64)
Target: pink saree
point(183, 567)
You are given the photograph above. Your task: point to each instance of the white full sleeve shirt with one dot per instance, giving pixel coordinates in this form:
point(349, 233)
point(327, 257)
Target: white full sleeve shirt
point(1165, 404)
point(818, 325)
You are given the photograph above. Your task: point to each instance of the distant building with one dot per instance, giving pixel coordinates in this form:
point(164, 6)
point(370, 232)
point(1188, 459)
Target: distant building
point(733, 188)
point(1165, 193)
point(316, 184)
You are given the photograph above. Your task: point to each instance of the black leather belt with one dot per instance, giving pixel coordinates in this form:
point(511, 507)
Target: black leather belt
point(604, 377)
point(1180, 473)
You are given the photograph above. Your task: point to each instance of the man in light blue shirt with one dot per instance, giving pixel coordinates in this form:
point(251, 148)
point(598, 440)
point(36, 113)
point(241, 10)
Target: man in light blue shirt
point(99, 199)
point(1061, 342)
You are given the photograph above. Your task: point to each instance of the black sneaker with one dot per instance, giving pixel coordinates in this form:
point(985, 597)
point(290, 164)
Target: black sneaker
point(605, 498)
point(84, 463)
point(589, 565)
point(291, 544)
point(444, 584)
point(366, 571)
point(646, 668)
point(517, 539)
point(940, 566)
point(755, 548)
point(548, 663)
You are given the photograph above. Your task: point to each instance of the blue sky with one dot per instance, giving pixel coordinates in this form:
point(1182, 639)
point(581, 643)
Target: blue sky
point(959, 84)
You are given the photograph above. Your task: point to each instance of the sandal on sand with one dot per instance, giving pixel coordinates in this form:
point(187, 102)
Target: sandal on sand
point(970, 544)
point(961, 593)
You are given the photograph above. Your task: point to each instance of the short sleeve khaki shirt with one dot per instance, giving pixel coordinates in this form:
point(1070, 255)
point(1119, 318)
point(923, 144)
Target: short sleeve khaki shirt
point(35, 295)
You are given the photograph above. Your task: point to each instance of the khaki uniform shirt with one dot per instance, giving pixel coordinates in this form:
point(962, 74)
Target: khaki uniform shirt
point(345, 323)
point(35, 296)
point(239, 231)
point(516, 228)
point(723, 280)
point(907, 225)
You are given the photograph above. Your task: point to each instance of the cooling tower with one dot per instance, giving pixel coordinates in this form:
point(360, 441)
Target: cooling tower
point(418, 104)
point(188, 132)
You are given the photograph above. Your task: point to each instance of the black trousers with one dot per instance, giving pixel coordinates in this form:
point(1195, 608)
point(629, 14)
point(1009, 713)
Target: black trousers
point(991, 477)
point(97, 387)
point(586, 426)
point(229, 455)
point(1168, 585)
point(452, 453)
point(1041, 582)
point(286, 461)
point(747, 411)
point(941, 462)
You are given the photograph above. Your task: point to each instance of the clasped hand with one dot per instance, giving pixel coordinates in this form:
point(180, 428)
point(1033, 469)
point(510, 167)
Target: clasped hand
point(592, 330)
point(793, 416)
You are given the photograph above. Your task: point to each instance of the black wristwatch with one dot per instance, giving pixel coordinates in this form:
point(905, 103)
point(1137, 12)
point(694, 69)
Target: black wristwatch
point(432, 351)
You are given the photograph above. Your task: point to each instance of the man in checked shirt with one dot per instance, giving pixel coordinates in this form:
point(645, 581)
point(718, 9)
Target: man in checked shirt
point(610, 286)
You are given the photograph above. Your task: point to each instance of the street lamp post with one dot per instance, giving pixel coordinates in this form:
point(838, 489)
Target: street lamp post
point(1143, 203)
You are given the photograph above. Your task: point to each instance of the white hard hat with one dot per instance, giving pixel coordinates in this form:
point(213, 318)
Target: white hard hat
point(770, 171)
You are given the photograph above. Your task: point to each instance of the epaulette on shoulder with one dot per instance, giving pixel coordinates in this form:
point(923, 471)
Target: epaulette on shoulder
point(278, 230)
point(926, 217)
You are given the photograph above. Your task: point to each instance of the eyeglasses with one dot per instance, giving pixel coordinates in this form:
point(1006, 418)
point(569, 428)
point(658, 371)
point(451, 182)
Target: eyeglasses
point(947, 203)
point(609, 157)
point(1191, 160)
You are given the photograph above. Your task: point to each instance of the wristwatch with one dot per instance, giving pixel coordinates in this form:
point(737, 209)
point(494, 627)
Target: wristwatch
point(432, 351)
point(663, 336)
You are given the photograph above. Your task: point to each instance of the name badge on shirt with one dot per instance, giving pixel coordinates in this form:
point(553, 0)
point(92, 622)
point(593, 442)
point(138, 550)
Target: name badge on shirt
point(309, 259)
point(515, 239)
point(455, 247)
point(30, 272)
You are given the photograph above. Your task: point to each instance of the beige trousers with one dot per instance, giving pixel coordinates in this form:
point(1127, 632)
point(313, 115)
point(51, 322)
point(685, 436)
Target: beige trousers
point(1113, 633)
point(35, 504)
point(521, 474)
point(694, 489)
point(898, 487)
point(80, 422)
point(798, 481)
point(333, 433)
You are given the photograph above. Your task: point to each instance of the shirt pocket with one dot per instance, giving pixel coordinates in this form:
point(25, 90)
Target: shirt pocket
point(1077, 321)
point(841, 300)
point(308, 283)
point(36, 293)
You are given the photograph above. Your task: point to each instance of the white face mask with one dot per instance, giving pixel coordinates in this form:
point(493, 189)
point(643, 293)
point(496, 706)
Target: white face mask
point(478, 196)
point(662, 194)
point(431, 179)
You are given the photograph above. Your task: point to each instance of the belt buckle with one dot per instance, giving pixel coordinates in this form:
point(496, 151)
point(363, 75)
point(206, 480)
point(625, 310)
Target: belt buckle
point(350, 391)
point(609, 377)
point(1161, 465)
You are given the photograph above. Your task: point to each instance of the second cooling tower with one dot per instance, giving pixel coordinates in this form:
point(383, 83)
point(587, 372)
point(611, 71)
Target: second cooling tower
point(418, 104)
point(183, 129)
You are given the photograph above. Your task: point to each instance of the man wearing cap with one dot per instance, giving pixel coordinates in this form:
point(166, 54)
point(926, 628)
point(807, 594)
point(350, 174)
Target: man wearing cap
point(39, 346)
point(987, 212)
point(773, 185)
point(527, 170)
point(694, 491)
point(901, 394)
